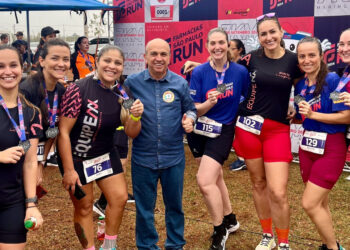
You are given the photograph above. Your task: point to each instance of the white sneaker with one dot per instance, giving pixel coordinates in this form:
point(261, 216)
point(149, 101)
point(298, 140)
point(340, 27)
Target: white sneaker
point(348, 178)
point(267, 242)
point(284, 246)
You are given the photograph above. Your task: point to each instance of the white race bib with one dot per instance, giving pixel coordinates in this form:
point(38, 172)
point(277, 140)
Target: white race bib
point(97, 167)
point(252, 124)
point(313, 142)
point(40, 151)
point(207, 127)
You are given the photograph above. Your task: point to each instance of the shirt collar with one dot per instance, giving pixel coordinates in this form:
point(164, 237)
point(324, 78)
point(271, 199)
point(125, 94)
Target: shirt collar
point(147, 76)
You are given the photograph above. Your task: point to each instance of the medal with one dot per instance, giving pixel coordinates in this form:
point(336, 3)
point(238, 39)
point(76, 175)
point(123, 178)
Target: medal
point(20, 130)
point(51, 132)
point(128, 103)
point(221, 88)
point(334, 96)
point(25, 145)
point(298, 99)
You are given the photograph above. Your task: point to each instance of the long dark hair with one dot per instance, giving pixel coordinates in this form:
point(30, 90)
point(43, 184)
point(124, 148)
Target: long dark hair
point(77, 42)
point(38, 79)
point(323, 71)
point(239, 45)
point(24, 101)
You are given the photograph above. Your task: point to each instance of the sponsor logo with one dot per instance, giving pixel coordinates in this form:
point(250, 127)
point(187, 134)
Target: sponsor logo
point(332, 4)
point(278, 3)
point(189, 3)
point(127, 8)
point(240, 12)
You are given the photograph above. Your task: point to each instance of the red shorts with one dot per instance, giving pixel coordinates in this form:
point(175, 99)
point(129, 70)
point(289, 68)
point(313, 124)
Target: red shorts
point(273, 144)
point(324, 170)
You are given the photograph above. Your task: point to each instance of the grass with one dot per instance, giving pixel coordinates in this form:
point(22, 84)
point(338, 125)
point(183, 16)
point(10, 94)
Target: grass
point(58, 232)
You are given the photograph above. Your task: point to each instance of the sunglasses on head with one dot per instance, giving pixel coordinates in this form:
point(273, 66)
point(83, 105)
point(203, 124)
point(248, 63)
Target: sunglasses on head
point(269, 15)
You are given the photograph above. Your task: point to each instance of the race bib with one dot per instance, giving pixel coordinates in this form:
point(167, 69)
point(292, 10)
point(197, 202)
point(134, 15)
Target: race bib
point(207, 127)
point(40, 151)
point(314, 142)
point(97, 167)
point(252, 124)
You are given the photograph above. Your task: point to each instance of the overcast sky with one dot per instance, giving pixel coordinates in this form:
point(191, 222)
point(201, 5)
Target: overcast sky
point(68, 23)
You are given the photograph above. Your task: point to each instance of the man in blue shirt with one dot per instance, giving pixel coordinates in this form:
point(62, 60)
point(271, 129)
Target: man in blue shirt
point(158, 151)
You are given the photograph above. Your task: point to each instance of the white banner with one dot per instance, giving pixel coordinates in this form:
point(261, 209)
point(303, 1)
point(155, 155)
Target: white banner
point(332, 7)
point(243, 29)
point(130, 37)
point(161, 11)
point(296, 134)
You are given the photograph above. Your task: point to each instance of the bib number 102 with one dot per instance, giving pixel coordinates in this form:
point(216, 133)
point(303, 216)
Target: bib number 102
point(311, 142)
point(249, 122)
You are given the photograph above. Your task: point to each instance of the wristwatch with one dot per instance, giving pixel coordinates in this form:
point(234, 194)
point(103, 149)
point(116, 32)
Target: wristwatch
point(32, 200)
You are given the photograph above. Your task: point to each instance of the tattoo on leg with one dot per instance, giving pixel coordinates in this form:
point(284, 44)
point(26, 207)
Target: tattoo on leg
point(81, 235)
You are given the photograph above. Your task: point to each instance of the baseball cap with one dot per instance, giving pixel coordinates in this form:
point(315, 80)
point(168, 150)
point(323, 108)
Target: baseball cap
point(19, 33)
point(48, 31)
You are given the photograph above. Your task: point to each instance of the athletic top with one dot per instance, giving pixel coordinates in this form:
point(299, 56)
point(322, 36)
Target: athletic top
point(322, 104)
point(204, 80)
point(98, 115)
point(33, 94)
point(11, 184)
point(271, 83)
point(80, 66)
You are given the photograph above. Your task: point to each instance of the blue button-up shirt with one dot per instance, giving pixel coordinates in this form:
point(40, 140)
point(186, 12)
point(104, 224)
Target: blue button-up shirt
point(159, 144)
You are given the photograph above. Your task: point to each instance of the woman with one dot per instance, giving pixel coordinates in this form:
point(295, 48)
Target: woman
point(322, 152)
point(44, 91)
point(91, 112)
point(81, 62)
point(344, 52)
point(20, 128)
point(216, 88)
point(262, 129)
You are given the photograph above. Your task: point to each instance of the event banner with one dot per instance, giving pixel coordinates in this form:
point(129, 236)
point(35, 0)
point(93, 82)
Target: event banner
point(187, 41)
point(161, 10)
point(243, 29)
point(191, 10)
point(238, 9)
point(287, 8)
point(329, 29)
point(131, 38)
point(332, 8)
point(131, 11)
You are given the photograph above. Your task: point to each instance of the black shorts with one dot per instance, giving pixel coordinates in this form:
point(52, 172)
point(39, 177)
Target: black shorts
point(216, 148)
point(121, 143)
point(12, 230)
point(78, 166)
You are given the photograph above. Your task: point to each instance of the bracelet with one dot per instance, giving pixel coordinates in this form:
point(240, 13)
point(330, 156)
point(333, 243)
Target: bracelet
point(32, 200)
point(136, 119)
point(31, 206)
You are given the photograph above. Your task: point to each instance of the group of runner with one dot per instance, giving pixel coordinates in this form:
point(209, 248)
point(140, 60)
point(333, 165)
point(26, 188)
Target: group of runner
point(245, 104)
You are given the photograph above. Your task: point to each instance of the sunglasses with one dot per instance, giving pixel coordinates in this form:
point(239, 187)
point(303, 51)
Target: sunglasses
point(269, 15)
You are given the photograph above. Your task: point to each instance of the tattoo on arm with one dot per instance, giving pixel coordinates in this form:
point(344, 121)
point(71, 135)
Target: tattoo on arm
point(81, 235)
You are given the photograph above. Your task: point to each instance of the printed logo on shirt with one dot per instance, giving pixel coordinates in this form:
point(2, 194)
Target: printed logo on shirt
point(193, 92)
point(228, 92)
point(284, 75)
point(168, 96)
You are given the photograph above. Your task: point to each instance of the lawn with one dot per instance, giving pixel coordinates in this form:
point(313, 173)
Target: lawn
point(58, 233)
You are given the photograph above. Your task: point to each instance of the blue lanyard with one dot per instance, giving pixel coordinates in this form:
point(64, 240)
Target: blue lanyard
point(102, 85)
point(53, 111)
point(303, 90)
point(221, 79)
point(122, 91)
point(19, 130)
point(344, 79)
point(86, 59)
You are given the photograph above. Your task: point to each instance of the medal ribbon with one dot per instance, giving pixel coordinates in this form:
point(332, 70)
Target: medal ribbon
point(122, 91)
point(303, 90)
point(344, 79)
point(53, 111)
point(86, 59)
point(19, 130)
point(221, 79)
